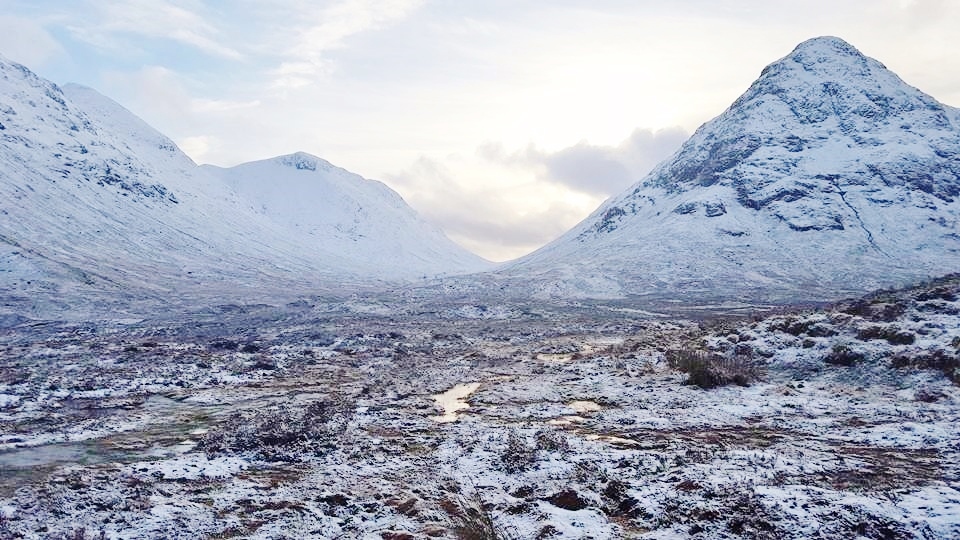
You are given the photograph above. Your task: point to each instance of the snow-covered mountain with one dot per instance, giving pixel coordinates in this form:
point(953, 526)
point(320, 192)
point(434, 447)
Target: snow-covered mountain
point(829, 176)
point(94, 203)
point(335, 210)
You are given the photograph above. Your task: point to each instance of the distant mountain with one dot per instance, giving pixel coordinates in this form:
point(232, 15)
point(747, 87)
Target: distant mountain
point(334, 210)
point(829, 176)
point(97, 205)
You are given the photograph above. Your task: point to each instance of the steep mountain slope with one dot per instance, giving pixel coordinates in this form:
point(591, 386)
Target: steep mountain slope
point(89, 212)
point(829, 176)
point(338, 211)
point(98, 206)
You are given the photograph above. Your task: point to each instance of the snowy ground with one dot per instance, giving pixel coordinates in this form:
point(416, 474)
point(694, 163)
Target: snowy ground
point(324, 421)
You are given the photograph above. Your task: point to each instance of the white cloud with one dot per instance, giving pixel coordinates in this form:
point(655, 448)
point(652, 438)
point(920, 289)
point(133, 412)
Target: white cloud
point(151, 18)
point(155, 87)
point(25, 41)
point(504, 204)
point(198, 146)
point(201, 105)
point(595, 169)
point(328, 29)
point(205, 129)
point(495, 211)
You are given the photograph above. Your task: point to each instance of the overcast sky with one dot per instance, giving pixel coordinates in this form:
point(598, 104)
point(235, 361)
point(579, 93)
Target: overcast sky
point(505, 122)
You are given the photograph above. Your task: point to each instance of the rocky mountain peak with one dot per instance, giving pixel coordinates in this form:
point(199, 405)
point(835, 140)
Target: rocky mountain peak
point(821, 59)
point(829, 168)
point(825, 111)
point(826, 79)
point(826, 50)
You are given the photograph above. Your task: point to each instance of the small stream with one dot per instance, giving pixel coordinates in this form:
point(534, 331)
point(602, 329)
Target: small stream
point(172, 428)
point(82, 452)
point(160, 426)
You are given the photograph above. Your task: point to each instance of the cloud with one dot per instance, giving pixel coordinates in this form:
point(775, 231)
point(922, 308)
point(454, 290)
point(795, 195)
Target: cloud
point(645, 148)
point(921, 13)
point(202, 105)
point(23, 40)
point(150, 18)
point(504, 204)
point(595, 169)
point(156, 87)
point(495, 212)
point(327, 30)
point(198, 146)
point(588, 168)
point(205, 129)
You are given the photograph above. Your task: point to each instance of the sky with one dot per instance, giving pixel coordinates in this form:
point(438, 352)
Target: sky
point(504, 122)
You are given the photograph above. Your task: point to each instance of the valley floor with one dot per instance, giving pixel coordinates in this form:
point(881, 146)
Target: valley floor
point(309, 422)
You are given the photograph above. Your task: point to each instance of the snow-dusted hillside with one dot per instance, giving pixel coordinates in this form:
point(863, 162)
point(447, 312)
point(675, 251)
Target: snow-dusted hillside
point(335, 210)
point(559, 424)
point(829, 176)
point(96, 204)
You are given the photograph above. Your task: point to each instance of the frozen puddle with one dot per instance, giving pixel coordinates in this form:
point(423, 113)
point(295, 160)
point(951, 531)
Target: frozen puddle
point(452, 401)
point(612, 439)
point(566, 420)
point(583, 407)
point(555, 357)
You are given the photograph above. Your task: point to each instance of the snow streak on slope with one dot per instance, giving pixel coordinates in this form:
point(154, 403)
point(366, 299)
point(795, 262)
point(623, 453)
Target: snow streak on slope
point(336, 210)
point(830, 175)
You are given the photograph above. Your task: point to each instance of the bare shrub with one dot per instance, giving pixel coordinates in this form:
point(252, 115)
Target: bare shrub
point(875, 308)
point(945, 362)
point(618, 502)
point(928, 395)
point(280, 433)
point(519, 455)
point(76, 534)
point(944, 292)
point(551, 441)
point(841, 354)
point(711, 370)
point(471, 520)
point(893, 334)
point(589, 473)
point(568, 499)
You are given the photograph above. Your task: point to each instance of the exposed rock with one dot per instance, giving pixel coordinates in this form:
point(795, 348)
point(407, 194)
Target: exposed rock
point(568, 500)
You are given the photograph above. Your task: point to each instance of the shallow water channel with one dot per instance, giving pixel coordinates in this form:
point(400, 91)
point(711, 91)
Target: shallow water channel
point(168, 428)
